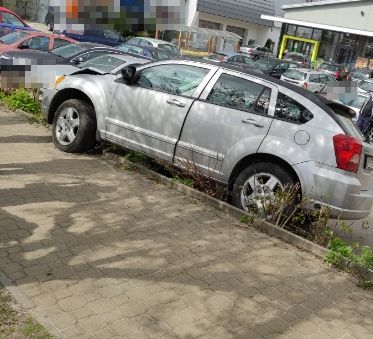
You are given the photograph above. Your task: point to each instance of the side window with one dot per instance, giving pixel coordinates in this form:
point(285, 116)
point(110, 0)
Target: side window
point(60, 43)
point(144, 43)
point(314, 78)
point(8, 18)
point(241, 94)
point(174, 79)
point(39, 43)
point(292, 111)
point(134, 41)
point(247, 60)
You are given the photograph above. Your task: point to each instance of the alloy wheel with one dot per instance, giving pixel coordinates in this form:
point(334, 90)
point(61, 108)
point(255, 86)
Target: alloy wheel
point(67, 126)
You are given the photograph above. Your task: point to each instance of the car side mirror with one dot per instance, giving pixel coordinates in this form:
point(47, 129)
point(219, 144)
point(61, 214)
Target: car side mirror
point(128, 74)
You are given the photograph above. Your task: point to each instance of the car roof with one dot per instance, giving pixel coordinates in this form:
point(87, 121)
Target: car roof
point(6, 10)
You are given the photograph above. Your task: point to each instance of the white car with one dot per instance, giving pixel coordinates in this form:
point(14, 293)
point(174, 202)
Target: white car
point(365, 86)
point(168, 47)
point(314, 81)
point(355, 104)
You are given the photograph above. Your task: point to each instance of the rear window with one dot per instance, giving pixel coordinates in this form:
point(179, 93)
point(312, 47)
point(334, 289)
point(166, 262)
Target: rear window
point(361, 74)
point(295, 74)
point(104, 63)
point(328, 67)
point(264, 64)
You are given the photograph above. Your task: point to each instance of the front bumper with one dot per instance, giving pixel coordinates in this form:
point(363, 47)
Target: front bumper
point(341, 192)
point(46, 98)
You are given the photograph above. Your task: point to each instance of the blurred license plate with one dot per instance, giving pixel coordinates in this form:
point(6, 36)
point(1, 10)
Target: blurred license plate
point(369, 163)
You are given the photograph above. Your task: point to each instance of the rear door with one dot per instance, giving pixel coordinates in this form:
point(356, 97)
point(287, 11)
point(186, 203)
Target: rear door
point(229, 121)
point(149, 115)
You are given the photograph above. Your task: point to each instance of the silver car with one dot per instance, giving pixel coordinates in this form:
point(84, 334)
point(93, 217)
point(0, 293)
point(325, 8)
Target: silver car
point(314, 81)
point(251, 132)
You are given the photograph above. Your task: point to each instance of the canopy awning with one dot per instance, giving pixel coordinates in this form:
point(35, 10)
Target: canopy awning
point(317, 25)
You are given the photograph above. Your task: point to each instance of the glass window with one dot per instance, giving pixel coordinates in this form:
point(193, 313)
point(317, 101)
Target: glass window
point(314, 78)
point(366, 86)
point(69, 50)
point(104, 63)
point(60, 42)
point(89, 55)
point(291, 29)
point(323, 78)
point(39, 43)
point(247, 61)
point(317, 34)
point(290, 110)
point(264, 64)
point(159, 54)
point(143, 42)
point(11, 19)
point(241, 94)
point(282, 66)
point(171, 49)
point(304, 32)
point(295, 74)
point(174, 79)
point(109, 34)
point(331, 80)
point(13, 37)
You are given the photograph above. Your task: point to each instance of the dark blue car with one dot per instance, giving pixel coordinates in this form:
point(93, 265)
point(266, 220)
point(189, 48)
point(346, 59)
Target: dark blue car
point(10, 22)
point(105, 37)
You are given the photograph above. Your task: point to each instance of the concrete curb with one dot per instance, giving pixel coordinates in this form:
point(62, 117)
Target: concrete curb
point(262, 225)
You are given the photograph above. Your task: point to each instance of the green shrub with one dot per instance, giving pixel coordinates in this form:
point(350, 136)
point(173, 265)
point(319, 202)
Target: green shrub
point(22, 99)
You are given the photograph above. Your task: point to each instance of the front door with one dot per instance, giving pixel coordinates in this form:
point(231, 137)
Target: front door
point(229, 121)
point(148, 116)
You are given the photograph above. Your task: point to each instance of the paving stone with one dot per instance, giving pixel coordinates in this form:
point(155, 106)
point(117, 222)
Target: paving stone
point(106, 253)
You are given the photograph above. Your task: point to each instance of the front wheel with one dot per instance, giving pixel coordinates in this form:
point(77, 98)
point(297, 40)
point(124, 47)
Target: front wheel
point(258, 185)
point(74, 127)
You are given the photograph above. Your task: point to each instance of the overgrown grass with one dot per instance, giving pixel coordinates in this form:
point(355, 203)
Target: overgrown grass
point(22, 99)
point(16, 324)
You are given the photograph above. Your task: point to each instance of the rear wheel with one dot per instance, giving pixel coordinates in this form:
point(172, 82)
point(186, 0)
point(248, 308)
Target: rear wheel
point(258, 185)
point(74, 127)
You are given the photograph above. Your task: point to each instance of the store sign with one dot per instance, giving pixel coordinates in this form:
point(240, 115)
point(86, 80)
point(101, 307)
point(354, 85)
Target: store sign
point(361, 63)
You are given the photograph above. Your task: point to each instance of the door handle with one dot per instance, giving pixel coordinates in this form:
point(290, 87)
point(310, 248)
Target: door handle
point(252, 122)
point(176, 102)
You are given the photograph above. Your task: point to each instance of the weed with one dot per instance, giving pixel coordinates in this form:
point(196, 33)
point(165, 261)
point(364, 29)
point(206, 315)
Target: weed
point(365, 284)
point(22, 99)
point(32, 329)
point(137, 157)
point(247, 219)
point(184, 181)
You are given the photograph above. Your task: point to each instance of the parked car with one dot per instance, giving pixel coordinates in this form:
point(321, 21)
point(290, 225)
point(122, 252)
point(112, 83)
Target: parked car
point(365, 86)
point(49, 19)
point(261, 134)
point(314, 81)
point(355, 104)
point(70, 54)
point(360, 74)
point(256, 51)
point(152, 53)
point(168, 47)
point(22, 40)
point(107, 37)
point(273, 67)
point(10, 22)
point(231, 58)
point(303, 60)
point(337, 71)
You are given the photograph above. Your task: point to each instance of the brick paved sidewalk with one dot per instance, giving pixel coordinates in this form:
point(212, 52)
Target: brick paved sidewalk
point(104, 254)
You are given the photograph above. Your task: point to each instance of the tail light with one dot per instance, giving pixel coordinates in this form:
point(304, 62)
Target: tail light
point(338, 74)
point(305, 86)
point(348, 152)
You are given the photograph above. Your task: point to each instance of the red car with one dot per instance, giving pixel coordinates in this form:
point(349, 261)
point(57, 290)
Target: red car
point(32, 40)
point(10, 22)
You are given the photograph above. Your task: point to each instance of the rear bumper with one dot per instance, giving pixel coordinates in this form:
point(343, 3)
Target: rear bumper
point(333, 188)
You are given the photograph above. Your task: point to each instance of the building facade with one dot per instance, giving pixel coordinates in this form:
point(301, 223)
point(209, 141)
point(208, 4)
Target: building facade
point(336, 30)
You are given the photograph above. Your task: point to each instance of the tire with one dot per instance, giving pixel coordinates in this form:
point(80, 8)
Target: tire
point(259, 170)
point(74, 127)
